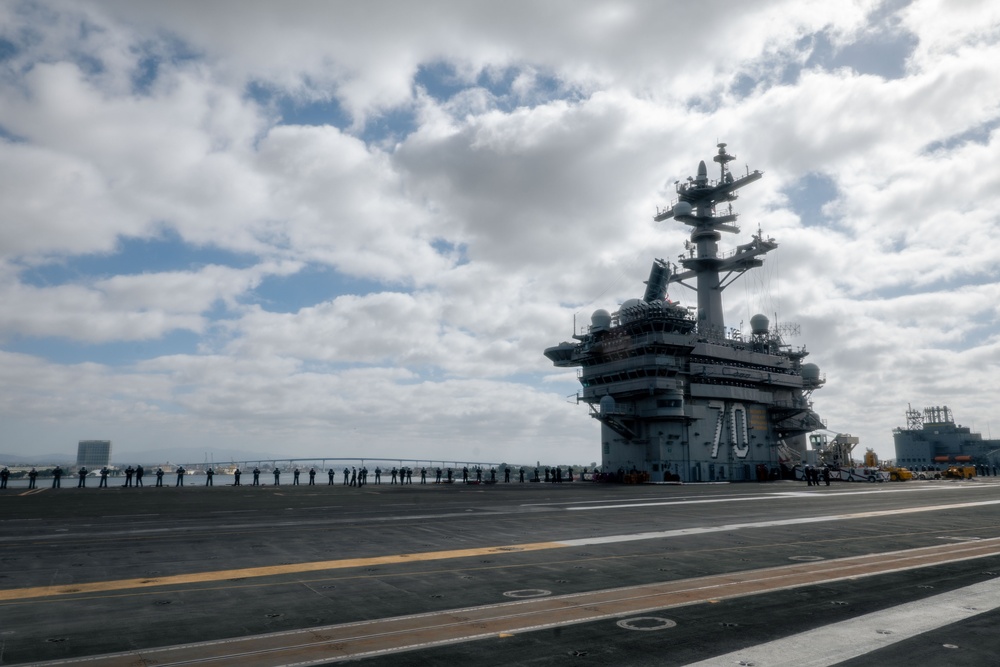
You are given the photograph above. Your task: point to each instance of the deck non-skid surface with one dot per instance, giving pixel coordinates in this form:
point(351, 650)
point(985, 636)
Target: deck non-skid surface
point(437, 572)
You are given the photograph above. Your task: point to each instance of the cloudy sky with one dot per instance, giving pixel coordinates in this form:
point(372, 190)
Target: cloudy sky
point(331, 229)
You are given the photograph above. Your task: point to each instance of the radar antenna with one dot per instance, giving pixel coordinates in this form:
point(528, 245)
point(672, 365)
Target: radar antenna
point(697, 205)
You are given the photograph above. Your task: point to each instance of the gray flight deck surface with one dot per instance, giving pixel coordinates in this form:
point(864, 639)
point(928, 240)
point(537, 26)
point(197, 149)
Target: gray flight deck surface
point(111, 574)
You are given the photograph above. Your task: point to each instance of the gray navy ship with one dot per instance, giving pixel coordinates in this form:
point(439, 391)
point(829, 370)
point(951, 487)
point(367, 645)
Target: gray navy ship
point(679, 396)
point(932, 440)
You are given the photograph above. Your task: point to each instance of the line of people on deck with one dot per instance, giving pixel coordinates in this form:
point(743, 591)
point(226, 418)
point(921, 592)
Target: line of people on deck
point(353, 476)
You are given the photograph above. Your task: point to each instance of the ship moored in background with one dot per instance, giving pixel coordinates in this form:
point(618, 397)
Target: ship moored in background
point(932, 440)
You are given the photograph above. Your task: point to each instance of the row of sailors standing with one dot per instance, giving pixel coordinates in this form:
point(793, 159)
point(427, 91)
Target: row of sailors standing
point(404, 475)
point(82, 472)
point(352, 476)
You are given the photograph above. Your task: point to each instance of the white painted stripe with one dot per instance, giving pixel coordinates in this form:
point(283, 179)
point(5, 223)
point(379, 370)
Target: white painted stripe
point(769, 496)
point(839, 642)
point(701, 501)
point(800, 492)
point(701, 530)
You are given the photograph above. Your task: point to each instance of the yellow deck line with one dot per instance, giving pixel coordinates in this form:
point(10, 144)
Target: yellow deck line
point(296, 568)
point(267, 571)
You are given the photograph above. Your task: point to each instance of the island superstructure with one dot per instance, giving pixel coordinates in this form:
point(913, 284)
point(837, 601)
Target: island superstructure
point(679, 396)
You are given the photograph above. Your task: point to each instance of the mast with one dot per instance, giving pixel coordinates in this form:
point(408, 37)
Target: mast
point(697, 203)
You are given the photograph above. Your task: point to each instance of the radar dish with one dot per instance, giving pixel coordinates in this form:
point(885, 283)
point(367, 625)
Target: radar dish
point(759, 324)
point(601, 319)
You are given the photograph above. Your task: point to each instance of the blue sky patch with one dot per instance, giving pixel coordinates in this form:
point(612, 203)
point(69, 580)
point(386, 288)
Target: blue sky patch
point(313, 285)
point(882, 53)
point(32, 14)
point(985, 331)
point(59, 350)
point(390, 126)
point(439, 80)
point(8, 49)
point(88, 64)
point(150, 58)
point(953, 284)
point(808, 195)
point(135, 256)
point(145, 73)
point(980, 134)
point(315, 112)
point(456, 251)
point(743, 85)
point(6, 134)
point(442, 82)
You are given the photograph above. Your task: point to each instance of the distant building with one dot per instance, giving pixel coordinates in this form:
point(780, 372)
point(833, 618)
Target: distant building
point(933, 439)
point(93, 453)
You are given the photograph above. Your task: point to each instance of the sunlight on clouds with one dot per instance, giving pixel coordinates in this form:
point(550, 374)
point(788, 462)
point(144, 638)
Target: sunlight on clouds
point(479, 174)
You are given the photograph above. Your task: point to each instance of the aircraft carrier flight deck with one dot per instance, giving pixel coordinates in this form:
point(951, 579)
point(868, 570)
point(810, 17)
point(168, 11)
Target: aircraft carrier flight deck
point(775, 573)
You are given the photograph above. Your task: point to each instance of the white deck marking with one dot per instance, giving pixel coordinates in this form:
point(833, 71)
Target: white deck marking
point(839, 642)
point(360, 639)
point(767, 496)
point(700, 530)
